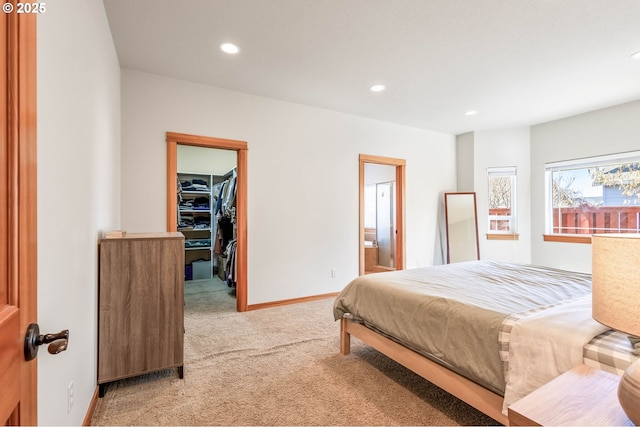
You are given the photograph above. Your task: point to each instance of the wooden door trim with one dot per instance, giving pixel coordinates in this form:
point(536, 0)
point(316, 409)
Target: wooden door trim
point(401, 166)
point(173, 139)
point(20, 222)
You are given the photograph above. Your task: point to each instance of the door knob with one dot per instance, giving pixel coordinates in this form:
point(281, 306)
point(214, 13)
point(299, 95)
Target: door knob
point(32, 339)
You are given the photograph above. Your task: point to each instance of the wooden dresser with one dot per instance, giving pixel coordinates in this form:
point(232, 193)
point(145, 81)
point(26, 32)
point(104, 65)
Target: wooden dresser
point(141, 305)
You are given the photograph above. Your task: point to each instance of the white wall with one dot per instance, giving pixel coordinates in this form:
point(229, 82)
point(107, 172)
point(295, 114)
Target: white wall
point(375, 173)
point(498, 148)
point(480, 150)
point(208, 161)
point(465, 162)
point(607, 131)
point(78, 193)
point(302, 178)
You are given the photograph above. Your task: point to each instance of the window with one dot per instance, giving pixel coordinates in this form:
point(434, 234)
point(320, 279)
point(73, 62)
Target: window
point(502, 200)
point(594, 195)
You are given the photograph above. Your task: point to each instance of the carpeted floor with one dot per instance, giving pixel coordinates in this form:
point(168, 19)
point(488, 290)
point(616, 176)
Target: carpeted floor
point(276, 366)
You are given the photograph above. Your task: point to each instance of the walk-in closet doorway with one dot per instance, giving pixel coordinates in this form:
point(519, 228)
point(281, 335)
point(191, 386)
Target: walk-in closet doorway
point(239, 175)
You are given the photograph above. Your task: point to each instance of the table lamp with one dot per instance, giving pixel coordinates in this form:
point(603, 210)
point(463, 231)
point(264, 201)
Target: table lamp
point(616, 302)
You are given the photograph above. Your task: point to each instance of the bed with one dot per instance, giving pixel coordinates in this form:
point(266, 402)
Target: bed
point(472, 328)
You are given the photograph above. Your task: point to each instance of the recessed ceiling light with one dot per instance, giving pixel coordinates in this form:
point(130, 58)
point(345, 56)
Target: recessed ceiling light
point(636, 55)
point(471, 113)
point(377, 88)
point(229, 48)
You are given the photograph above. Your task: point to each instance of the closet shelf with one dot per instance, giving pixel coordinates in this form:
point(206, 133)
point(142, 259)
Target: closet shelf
point(207, 201)
point(195, 216)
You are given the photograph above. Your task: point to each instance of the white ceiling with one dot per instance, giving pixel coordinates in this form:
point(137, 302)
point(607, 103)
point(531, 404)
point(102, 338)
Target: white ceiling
point(518, 62)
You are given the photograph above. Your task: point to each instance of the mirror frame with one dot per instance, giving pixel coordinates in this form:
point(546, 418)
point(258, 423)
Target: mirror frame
point(446, 219)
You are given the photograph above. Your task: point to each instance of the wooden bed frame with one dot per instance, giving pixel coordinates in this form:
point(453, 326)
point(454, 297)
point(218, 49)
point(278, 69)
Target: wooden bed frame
point(464, 389)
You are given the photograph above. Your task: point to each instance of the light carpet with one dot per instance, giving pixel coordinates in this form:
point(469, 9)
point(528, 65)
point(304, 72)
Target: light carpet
point(276, 366)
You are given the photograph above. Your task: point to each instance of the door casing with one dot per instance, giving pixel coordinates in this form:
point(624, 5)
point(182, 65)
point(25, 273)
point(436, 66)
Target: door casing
point(173, 139)
point(400, 165)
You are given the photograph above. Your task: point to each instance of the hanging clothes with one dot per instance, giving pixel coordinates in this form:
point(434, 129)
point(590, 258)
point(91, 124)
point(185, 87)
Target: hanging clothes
point(230, 195)
point(225, 227)
point(230, 270)
point(225, 212)
point(218, 208)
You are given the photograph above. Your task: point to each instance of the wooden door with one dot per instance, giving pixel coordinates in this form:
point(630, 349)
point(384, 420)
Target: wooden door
point(18, 226)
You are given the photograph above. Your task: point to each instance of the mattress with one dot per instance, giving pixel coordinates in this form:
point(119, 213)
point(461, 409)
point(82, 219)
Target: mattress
point(610, 351)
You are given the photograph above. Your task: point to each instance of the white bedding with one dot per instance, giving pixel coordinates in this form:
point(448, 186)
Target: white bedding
point(545, 343)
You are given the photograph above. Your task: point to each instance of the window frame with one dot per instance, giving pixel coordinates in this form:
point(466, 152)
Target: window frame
point(580, 163)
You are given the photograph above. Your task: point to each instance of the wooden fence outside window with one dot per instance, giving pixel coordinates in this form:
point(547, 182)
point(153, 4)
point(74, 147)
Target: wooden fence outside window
point(593, 220)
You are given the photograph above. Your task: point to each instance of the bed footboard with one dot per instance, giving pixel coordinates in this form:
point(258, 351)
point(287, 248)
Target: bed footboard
point(464, 389)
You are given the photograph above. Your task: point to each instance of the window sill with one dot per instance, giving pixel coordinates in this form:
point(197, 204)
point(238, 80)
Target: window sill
point(567, 238)
point(503, 236)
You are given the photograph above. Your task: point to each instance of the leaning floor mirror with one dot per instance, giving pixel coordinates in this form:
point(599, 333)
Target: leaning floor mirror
point(462, 227)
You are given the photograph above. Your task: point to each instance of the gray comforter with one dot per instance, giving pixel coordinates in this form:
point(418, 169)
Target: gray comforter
point(454, 313)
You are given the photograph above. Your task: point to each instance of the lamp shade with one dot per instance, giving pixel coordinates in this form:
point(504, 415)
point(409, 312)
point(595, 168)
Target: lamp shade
point(615, 277)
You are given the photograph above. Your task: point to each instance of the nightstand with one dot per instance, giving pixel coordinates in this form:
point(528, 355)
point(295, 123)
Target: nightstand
point(582, 396)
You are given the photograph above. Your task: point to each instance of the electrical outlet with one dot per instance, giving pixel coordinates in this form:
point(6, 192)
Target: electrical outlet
point(334, 273)
point(70, 397)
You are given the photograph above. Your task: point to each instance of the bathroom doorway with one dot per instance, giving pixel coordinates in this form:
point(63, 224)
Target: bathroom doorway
point(381, 213)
